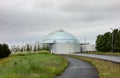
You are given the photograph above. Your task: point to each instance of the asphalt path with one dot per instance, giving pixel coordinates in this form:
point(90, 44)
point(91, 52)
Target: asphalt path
point(104, 57)
point(79, 69)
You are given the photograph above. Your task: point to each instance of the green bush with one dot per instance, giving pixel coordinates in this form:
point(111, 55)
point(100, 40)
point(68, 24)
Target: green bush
point(4, 50)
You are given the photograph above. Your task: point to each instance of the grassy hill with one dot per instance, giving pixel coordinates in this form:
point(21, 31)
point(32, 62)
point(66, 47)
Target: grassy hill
point(32, 66)
point(104, 53)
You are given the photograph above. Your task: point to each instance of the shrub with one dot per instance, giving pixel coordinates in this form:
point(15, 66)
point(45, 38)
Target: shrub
point(4, 50)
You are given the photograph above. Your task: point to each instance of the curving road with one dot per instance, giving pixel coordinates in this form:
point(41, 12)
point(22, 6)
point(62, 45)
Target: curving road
point(104, 57)
point(79, 69)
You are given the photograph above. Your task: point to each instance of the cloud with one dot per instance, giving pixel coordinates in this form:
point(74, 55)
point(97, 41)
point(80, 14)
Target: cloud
point(34, 19)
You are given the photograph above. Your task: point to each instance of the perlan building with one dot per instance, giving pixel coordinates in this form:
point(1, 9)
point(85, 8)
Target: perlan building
point(61, 42)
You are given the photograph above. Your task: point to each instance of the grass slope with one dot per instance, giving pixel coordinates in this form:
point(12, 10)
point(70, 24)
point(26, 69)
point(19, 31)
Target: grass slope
point(104, 53)
point(106, 69)
point(32, 66)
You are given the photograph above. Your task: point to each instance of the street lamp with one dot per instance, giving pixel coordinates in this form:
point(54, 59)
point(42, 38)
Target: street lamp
point(85, 42)
point(112, 40)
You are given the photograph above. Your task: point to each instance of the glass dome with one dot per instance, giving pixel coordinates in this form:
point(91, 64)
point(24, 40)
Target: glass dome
point(59, 37)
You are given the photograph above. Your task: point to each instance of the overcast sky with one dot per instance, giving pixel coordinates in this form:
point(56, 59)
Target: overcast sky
point(32, 20)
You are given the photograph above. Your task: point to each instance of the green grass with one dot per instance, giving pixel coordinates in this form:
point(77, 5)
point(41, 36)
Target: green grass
point(106, 69)
point(104, 53)
point(19, 53)
point(32, 66)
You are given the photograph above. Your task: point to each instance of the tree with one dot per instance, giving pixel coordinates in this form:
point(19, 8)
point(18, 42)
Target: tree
point(116, 40)
point(4, 50)
point(99, 42)
point(35, 48)
point(28, 47)
point(46, 47)
point(38, 47)
point(104, 42)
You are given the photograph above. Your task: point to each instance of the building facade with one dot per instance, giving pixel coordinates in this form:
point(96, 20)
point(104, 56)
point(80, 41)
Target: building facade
point(86, 47)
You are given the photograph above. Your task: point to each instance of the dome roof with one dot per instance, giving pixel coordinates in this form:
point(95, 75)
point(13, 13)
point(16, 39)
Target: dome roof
point(59, 37)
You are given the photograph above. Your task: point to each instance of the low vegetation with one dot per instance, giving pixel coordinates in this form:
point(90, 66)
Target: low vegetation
point(104, 53)
point(32, 66)
point(19, 53)
point(106, 69)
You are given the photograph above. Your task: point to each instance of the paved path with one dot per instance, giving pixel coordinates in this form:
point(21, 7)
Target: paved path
point(104, 57)
point(79, 69)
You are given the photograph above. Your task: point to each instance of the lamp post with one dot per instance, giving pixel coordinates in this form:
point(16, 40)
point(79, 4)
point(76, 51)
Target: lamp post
point(85, 42)
point(112, 40)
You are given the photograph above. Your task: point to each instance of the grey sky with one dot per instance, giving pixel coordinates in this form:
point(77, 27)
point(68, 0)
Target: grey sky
point(31, 20)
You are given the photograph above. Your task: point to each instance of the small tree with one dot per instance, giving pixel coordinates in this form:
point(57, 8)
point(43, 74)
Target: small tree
point(4, 50)
point(28, 47)
point(35, 48)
